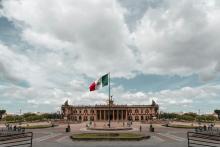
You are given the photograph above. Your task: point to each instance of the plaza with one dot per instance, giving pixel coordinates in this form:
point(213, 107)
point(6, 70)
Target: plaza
point(57, 137)
point(161, 137)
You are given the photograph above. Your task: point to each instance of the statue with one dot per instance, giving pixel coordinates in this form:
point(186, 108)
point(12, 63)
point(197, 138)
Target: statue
point(66, 103)
point(153, 103)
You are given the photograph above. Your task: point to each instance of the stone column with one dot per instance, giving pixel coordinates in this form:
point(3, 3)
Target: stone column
point(117, 115)
point(101, 115)
point(95, 117)
point(122, 114)
point(97, 113)
point(113, 115)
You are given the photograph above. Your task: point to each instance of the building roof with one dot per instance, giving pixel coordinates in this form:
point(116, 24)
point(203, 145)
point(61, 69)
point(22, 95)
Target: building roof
point(112, 105)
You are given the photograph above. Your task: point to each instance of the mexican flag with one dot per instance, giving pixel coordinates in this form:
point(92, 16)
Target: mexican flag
point(101, 82)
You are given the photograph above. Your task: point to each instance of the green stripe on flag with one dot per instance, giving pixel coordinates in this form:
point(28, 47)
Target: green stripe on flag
point(104, 80)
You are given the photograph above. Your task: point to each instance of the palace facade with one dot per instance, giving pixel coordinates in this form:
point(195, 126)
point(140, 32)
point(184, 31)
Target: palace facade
point(117, 112)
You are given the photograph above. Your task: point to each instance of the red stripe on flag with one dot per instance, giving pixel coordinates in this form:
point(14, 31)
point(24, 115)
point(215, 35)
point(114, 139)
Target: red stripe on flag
point(92, 86)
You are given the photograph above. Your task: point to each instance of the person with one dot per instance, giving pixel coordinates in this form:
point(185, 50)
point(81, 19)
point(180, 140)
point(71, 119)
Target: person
point(23, 130)
point(94, 124)
point(7, 126)
point(140, 128)
point(151, 128)
point(15, 127)
point(128, 124)
point(10, 127)
point(204, 127)
point(211, 126)
point(68, 128)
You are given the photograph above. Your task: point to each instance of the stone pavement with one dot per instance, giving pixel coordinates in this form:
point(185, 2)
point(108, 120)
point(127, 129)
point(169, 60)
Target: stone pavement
point(162, 137)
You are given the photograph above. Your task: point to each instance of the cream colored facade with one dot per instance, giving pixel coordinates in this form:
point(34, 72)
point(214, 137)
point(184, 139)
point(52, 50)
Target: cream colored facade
point(117, 112)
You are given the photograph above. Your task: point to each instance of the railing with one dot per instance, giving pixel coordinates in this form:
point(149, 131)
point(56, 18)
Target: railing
point(10, 131)
point(15, 138)
point(205, 138)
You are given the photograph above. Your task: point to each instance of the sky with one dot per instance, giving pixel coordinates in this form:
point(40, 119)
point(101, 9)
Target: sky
point(162, 50)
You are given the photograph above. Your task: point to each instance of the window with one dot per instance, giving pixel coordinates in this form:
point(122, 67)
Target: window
point(129, 117)
point(136, 111)
point(147, 111)
point(91, 118)
point(85, 118)
point(91, 111)
point(74, 111)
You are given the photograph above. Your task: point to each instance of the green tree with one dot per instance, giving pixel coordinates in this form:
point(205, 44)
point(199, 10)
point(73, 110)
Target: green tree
point(9, 118)
point(191, 114)
point(218, 113)
point(1, 113)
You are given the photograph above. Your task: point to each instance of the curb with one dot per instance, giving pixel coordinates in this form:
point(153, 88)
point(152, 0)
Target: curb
point(109, 139)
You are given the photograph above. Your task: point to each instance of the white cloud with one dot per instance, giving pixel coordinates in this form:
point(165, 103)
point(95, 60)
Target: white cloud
point(180, 37)
point(190, 97)
point(93, 34)
point(44, 40)
point(17, 67)
point(74, 40)
point(92, 37)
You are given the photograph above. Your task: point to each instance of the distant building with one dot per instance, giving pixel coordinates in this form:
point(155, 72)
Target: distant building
point(215, 115)
point(117, 112)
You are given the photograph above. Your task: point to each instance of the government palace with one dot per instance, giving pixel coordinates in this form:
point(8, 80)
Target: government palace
point(117, 112)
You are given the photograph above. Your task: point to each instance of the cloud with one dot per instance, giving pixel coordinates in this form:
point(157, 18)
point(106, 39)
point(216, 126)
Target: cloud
point(180, 37)
point(169, 37)
point(93, 34)
point(190, 97)
point(69, 43)
point(18, 68)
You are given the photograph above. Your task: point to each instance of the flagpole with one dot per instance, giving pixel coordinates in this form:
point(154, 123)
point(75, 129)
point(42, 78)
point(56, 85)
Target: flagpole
point(109, 95)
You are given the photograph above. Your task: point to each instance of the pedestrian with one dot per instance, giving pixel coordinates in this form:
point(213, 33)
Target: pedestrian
point(15, 128)
point(211, 126)
point(140, 128)
point(204, 127)
point(94, 124)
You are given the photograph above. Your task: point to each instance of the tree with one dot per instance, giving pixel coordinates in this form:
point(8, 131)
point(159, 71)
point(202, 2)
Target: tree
point(9, 118)
point(1, 113)
point(218, 113)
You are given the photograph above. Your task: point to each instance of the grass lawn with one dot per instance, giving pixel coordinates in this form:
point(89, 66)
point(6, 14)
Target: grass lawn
point(37, 126)
point(108, 136)
point(181, 126)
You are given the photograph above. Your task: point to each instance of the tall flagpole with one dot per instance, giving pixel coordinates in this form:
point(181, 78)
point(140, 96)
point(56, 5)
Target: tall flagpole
point(109, 95)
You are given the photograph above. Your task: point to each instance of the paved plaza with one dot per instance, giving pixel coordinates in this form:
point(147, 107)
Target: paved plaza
point(162, 137)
